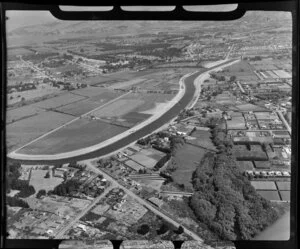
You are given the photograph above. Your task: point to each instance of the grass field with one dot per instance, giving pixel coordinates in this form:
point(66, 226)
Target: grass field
point(155, 184)
point(187, 158)
point(245, 165)
point(38, 180)
point(237, 122)
point(250, 107)
point(25, 130)
point(203, 139)
point(79, 134)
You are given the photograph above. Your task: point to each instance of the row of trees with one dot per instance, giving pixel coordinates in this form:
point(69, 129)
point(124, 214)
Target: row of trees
point(226, 201)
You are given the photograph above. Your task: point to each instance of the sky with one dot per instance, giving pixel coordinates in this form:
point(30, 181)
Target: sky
point(25, 18)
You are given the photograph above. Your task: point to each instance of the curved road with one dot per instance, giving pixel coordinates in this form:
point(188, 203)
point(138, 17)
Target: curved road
point(188, 96)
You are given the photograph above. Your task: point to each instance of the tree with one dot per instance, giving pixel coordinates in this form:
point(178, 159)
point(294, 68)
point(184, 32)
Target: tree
point(232, 78)
point(143, 229)
point(180, 230)
point(41, 193)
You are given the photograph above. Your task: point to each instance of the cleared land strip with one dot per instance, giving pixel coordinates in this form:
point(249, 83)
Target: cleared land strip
point(143, 202)
point(71, 121)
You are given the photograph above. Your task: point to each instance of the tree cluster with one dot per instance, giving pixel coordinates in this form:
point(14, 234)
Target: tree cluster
point(16, 202)
point(65, 188)
point(12, 181)
point(226, 201)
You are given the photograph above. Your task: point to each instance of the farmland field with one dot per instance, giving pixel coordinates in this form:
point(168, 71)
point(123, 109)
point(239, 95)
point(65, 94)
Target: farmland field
point(245, 165)
point(61, 100)
point(135, 117)
point(187, 158)
point(21, 112)
point(25, 130)
point(155, 154)
point(79, 134)
point(133, 165)
point(285, 195)
point(144, 160)
point(118, 108)
point(284, 185)
point(127, 84)
point(79, 108)
point(269, 195)
point(263, 185)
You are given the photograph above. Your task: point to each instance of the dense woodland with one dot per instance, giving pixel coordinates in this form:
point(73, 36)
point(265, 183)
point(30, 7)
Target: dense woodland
point(226, 201)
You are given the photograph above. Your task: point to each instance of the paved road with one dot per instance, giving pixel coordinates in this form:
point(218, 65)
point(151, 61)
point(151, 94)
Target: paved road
point(142, 201)
point(60, 234)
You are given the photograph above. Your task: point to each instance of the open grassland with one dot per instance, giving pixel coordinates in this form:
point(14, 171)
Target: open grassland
point(79, 134)
point(187, 158)
point(61, 100)
point(25, 130)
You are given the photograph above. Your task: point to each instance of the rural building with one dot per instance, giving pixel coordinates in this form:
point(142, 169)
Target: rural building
point(60, 172)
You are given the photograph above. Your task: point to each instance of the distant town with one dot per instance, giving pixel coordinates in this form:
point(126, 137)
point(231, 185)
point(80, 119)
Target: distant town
point(146, 131)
